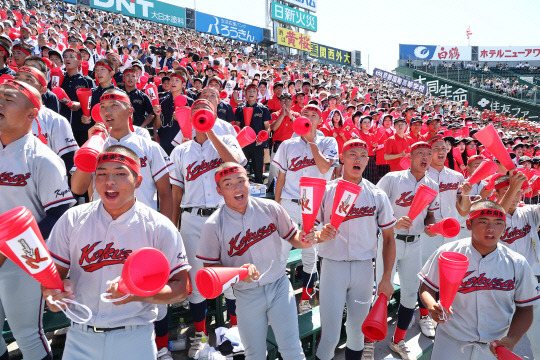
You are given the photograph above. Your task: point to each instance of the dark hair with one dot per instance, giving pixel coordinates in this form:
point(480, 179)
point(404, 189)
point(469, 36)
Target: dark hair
point(486, 204)
point(42, 65)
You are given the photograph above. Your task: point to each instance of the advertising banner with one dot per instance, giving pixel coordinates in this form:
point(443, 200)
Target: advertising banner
point(294, 17)
point(310, 5)
point(228, 28)
point(508, 53)
point(323, 52)
point(435, 52)
point(145, 9)
point(401, 81)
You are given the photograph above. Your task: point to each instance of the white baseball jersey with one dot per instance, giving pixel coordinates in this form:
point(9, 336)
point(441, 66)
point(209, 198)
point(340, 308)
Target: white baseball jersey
point(401, 186)
point(521, 234)
point(94, 247)
point(32, 175)
point(478, 187)
point(56, 130)
point(142, 132)
point(232, 239)
point(491, 289)
point(155, 164)
point(194, 170)
point(294, 158)
point(449, 182)
point(370, 211)
point(221, 127)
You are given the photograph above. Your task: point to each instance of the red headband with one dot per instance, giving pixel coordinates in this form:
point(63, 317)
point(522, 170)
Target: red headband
point(104, 64)
point(75, 52)
point(119, 158)
point(420, 145)
point(312, 107)
point(435, 139)
point(128, 71)
point(19, 47)
point(228, 171)
point(502, 185)
point(35, 74)
point(487, 213)
point(178, 76)
point(475, 157)
point(117, 97)
point(354, 144)
point(25, 89)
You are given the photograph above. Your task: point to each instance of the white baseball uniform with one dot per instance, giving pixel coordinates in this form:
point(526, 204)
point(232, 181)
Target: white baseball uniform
point(31, 175)
point(401, 187)
point(232, 240)
point(347, 265)
point(221, 127)
point(94, 247)
point(194, 170)
point(493, 286)
point(56, 130)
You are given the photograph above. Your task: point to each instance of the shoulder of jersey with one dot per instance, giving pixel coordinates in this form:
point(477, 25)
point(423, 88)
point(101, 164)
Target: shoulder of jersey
point(156, 217)
point(454, 172)
point(511, 254)
point(41, 150)
point(53, 115)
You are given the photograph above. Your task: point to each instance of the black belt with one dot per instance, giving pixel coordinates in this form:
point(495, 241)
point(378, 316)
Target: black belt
point(406, 238)
point(101, 330)
point(200, 211)
point(297, 201)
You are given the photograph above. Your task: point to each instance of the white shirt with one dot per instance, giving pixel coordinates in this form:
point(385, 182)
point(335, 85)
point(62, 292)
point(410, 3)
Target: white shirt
point(56, 130)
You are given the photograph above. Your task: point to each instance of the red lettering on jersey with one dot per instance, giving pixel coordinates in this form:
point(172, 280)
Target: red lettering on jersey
point(406, 199)
point(513, 234)
point(360, 212)
point(297, 164)
point(448, 186)
point(477, 283)
point(103, 257)
point(7, 178)
point(193, 172)
point(238, 248)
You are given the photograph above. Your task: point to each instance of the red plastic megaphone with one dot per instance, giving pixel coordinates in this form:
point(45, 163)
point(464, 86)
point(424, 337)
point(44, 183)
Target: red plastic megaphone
point(223, 94)
point(143, 81)
point(447, 227)
point(375, 325)
point(236, 128)
point(212, 281)
point(344, 198)
point(424, 195)
point(96, 115)
point(246, 136)
point(452, 268)
point(85, 66)
point(157, 80)
point(485, 169)
point(84, 98)
point(301, 126)
point(22, 242)
point(405, 162)
point(57, 77)
point(183, 115)
point(354, 91)
point(248, 114)
point(180, 101)
point(490, 139)
point(152, 92)
point(262, 136)
point(62, 96)
point(311, 193)
point(85, 158)
point(504, 353)
point(145, 272)
point(203, 120)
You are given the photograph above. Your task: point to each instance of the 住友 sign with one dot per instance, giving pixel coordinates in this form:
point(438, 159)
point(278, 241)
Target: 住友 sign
point(293, 39)
point(228, 28)
point(294, 17)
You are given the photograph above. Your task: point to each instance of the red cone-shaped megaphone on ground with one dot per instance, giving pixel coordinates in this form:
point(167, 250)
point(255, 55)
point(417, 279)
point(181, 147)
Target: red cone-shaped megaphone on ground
point(311, 194)
point(344, 198)
point(447, 227)
point(490, 139)
point(375, 325)
point(96, 114)
point(152, 92)
point(203, 120)
point(85, 158)
point(22, 243)
point(504, 353)
point(145, 272)
point(84, 98)
point(405, 162)
point(301, 126)
point(57, 77)
point(183, 115)
point(212, 281)
point(452, 268)
point(424, 195)
point(485, 169)
point(85, 66)
point(246, 136)
point(262, 136)
point(62, 96)
point(180, 101)
point(248, 114)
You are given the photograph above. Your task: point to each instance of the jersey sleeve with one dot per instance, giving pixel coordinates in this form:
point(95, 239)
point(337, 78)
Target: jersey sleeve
point(63, 140)
point(210, 247)
point(59, 241)
point(233, 144)
point(385, 212)
point(170, 243)
point(175, 174)
point(177, 139)
point(159, 166)
point(429, 274)
point(385, 184)
point(280, 159)
point(52, 185)
point(461, 180)
point(330, 150)
point(285, 227)
point(527, 293)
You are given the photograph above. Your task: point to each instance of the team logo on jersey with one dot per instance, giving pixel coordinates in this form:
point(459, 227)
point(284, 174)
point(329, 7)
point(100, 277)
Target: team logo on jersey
point(360, 212)
point(307, 195)
point(481, 282)
point(194, 171)
point(513, 234)
point(298, 164)
point(91, 260)
point(448, 186)
point(7, 178)
point(32, 257)
point(143, 161)
point(239, 247)
point(345, 203)
point(406, 199)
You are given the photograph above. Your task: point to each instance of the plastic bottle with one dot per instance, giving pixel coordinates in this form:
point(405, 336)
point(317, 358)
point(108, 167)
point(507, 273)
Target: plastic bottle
point(204, 352)
point(181, 342)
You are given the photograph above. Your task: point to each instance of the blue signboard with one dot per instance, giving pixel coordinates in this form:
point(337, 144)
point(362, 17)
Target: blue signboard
point(227, 28)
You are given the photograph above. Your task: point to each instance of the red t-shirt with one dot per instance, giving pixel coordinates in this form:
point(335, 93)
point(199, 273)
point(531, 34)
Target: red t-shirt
point(380, 137)
point(273, 104)
point(396, 144)
point(285, 130)
point(369, 139)
point(411, 138)
point(297, 108)
point(426, 137)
